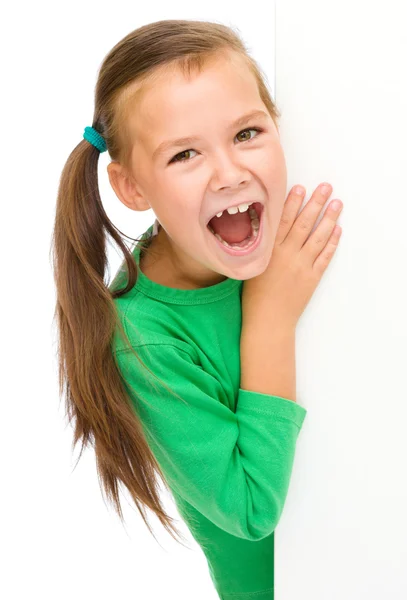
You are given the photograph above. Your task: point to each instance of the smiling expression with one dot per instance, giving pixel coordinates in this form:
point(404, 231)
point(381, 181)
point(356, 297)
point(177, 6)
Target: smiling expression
point(223, 160)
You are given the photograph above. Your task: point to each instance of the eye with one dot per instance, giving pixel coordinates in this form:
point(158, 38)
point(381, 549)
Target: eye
point(175, 158)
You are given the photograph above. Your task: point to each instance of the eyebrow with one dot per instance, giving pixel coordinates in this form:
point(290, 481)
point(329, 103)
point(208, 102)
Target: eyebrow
point(179, 142)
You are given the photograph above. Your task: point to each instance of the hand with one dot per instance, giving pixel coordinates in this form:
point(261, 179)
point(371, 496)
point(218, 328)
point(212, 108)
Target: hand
point(297, 263)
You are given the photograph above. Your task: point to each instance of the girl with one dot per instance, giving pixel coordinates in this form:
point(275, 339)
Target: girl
point(177, 369)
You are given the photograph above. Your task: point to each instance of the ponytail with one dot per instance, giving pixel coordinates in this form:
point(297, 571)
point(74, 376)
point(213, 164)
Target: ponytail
point(86, 319)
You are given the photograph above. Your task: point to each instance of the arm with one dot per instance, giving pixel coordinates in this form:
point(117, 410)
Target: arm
point(233, 467)
point(267, 358)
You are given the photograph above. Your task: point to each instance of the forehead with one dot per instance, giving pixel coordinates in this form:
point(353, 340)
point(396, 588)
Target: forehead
point(171, 104)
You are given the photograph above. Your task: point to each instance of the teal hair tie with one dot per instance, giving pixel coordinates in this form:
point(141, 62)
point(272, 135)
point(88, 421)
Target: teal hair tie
point(93, 137)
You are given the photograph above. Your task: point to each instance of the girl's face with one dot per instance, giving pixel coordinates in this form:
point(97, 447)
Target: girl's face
point(216, 170)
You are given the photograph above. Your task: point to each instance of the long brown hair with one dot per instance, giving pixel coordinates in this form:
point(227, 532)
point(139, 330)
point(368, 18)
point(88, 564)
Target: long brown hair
point(85, 310)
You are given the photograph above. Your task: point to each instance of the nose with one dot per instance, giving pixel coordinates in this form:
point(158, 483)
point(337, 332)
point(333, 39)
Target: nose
point(233, 187)
point(228, 174)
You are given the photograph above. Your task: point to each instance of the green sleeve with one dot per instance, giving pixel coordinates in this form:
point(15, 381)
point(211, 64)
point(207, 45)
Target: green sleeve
point(233, 467)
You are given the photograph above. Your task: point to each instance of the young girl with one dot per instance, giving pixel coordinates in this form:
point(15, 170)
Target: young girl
point(178, 369)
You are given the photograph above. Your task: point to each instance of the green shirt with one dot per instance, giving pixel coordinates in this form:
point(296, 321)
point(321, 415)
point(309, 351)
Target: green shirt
point(226, 453)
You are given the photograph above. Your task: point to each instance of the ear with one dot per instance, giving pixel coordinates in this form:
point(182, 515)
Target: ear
point(125, 187)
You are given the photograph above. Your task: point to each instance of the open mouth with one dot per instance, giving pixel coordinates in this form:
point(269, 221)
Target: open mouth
point(255, 212)
point(258, 207)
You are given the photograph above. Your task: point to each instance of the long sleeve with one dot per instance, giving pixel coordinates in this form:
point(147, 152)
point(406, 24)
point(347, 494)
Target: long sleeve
point(233, 467)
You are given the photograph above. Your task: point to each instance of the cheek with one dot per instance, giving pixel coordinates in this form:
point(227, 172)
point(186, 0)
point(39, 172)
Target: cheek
point(272, 172)
point(177, 211)
point(271, 165)
point(182, 193)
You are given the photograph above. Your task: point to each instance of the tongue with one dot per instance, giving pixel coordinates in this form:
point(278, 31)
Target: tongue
point(232, 228)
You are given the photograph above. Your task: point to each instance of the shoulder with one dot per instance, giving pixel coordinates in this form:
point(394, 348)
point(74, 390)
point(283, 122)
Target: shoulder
point(147, 329)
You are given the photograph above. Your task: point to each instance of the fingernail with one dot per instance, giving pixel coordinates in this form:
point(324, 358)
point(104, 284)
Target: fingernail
point(325, 189)
point(336, 204)
point(299, 190)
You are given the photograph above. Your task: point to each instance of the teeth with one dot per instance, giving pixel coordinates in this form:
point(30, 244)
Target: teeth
point(234, 209)
point(255, 230)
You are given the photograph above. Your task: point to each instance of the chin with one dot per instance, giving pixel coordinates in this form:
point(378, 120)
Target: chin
point(248, 271)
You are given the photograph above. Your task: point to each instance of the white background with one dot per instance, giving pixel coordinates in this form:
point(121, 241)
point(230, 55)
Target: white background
point(337, 72)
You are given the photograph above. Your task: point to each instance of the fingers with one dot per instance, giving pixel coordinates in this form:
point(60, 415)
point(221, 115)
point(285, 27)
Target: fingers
point(321, 240)
point(324, 258)
point(308, 216)
point(294, 229)
point(290, 211)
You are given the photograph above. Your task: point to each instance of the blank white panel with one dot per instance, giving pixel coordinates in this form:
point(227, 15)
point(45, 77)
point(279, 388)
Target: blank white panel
point(341, 87)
